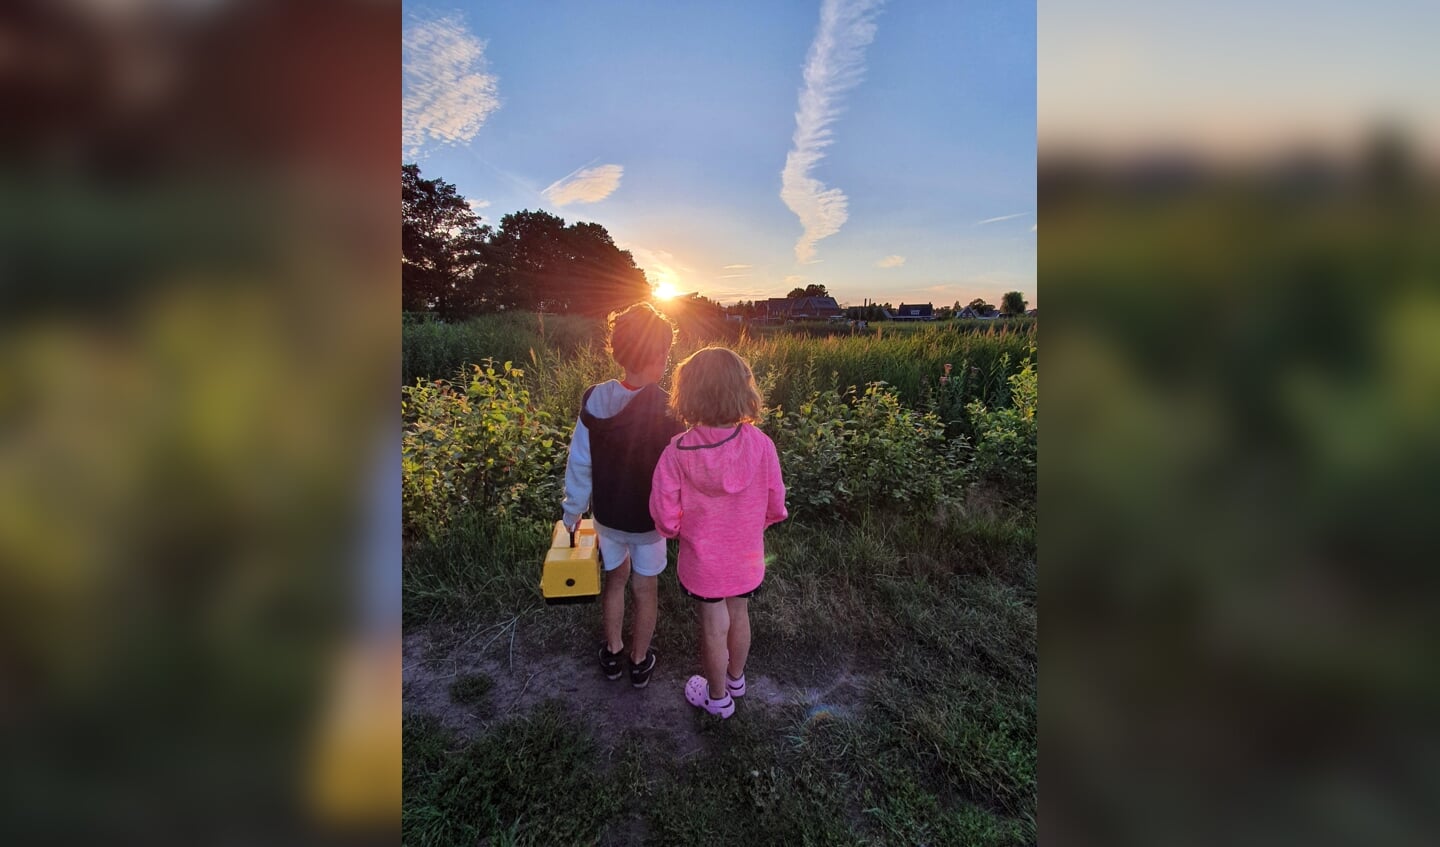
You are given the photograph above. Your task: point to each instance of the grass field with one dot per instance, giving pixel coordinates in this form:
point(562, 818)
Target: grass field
point(893, 673)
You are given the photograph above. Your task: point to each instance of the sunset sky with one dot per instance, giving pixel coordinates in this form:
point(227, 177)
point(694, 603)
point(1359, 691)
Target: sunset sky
point(741, 149)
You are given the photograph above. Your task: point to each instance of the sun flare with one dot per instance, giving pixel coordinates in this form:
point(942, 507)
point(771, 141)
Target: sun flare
point(664, 290)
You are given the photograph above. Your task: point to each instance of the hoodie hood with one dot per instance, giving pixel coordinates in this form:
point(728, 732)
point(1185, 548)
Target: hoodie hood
point(615, 410)
point(721, 460)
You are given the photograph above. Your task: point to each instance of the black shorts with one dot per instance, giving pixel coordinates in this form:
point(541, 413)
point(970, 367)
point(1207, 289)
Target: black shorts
point(690, 593)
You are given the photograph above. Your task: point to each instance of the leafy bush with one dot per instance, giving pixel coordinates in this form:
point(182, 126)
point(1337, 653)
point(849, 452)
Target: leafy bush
point(843, 452)
point(956, 387)
point(1006, 438)
point(486, 450)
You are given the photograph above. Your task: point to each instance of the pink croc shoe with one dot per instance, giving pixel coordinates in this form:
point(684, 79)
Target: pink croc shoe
point(697, 691)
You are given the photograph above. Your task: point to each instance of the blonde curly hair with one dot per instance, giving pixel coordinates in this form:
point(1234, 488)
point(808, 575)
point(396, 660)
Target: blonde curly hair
point(715, 387)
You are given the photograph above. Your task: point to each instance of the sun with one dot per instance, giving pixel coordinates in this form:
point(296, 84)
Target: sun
point(664, 290)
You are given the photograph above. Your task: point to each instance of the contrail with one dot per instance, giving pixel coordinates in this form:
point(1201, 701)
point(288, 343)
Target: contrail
point(1002, 218)
point(834, 65)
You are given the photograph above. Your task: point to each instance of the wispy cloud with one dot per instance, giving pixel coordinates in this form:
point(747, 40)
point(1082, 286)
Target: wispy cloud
point(590, 185)
point(735, 267)
point(834, 65)
point(733, 276)
point(890, 262)
point(449, 93)
point(1002, 218)
point(477, 205)
point(795, 280)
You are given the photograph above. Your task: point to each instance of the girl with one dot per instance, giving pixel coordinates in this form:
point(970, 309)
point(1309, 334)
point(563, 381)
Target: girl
point(717, 487)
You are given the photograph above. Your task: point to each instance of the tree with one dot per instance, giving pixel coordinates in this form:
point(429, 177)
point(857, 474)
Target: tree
point(811, 290)
point(869, 312)
point(1013, 303)
point(440, 243)
point(981, 307)
point(454, 265)
point(537, 262)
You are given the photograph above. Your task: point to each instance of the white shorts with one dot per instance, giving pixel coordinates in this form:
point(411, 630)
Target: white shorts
point(645, 559)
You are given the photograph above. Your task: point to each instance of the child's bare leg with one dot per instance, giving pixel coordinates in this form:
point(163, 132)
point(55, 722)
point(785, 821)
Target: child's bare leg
point(612, 606)
point(739, 637)
point(714, 630)
point(645, 590)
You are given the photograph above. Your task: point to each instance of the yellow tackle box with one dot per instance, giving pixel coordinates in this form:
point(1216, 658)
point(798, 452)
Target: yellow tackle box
point(572, 566)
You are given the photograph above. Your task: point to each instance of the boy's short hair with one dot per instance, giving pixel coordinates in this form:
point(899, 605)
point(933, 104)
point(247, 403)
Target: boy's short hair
point(639, 336)
point(715, 387)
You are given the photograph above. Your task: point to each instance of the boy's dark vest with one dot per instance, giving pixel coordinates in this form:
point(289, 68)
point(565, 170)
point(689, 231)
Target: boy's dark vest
point(623, 453)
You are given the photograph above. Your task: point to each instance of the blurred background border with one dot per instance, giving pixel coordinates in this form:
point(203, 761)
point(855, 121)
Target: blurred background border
point(199, 501)
point(1238, 470)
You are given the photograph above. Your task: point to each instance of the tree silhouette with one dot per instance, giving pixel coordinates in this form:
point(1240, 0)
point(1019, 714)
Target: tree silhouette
point(440, 244)
point(455, 266)
point(1013, 303)
point(539, 263)
point(811, 290)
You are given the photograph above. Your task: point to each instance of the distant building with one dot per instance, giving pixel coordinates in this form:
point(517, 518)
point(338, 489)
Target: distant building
point(914, 312)
point(801, 308)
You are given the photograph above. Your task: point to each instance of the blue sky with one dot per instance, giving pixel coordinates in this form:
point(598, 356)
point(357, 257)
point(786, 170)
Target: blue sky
point(742, 149)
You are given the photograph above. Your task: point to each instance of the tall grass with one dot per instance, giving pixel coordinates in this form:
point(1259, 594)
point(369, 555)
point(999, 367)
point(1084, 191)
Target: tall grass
point(564, 354)
point(912, 361)
point(433, 349)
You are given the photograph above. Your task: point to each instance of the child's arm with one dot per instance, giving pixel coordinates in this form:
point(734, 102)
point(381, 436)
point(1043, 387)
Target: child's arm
point(578, 481)
point(665, 506)
point(775, 510)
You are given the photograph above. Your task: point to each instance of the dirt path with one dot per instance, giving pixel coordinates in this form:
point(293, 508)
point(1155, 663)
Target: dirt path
point(524, 677)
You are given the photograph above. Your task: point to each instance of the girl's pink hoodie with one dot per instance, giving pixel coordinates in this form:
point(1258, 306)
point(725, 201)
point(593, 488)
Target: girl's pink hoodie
point(717, 489)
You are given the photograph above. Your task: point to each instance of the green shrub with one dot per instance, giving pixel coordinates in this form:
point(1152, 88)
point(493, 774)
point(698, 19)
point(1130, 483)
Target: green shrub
point(1006, 438)
point(487, 450)
point(846, 453)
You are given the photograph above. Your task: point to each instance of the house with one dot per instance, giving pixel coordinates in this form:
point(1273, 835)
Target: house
point(970, 312)
point(801, 308)
point(1030, 313)
point(915, 312)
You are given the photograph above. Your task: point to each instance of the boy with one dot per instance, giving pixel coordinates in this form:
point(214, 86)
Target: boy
point(624, 425)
